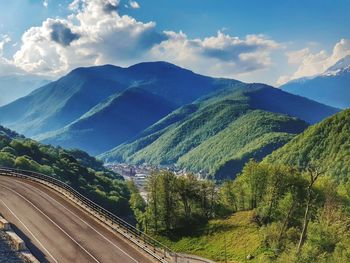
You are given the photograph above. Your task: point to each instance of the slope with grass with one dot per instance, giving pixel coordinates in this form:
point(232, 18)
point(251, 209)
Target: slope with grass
point(238, 233)
point(325, 145)
point(220, 132)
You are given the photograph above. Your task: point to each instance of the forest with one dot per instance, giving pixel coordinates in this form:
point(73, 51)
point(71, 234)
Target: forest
point(302, 214)
point(74, 167)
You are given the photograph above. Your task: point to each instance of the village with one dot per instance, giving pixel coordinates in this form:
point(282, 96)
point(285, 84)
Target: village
point(139, 173)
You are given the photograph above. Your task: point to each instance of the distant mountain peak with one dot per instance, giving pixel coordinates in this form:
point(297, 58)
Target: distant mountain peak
point(343, 65)
point(155, 66)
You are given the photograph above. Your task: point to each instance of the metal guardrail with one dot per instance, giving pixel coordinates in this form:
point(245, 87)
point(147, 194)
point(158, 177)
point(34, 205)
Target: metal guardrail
point(144, 241)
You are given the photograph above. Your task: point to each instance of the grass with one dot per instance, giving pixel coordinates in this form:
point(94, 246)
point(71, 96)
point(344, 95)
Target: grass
point(241, 234)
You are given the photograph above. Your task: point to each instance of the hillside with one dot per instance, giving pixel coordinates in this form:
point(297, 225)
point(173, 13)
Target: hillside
point(241, 234)
point(220, 132)
point(111, 122)
point(325, 145)
point(331, 88)
point(76, 168)
point(61, 102)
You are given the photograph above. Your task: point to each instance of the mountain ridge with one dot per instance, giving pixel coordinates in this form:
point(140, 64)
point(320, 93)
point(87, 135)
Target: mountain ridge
point(177, 138)
point(61, 102)
point(332, 87)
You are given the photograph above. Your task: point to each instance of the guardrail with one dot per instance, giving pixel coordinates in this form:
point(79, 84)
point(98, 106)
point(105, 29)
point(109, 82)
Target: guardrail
point(156, 249)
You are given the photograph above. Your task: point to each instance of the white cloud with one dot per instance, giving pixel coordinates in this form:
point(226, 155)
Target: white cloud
point(311, 64)
point(96, 33)
point(6, 65)
point(134, 4)
point(4, 39)
point(93, 34)
point(221, 55)
point(46, 3)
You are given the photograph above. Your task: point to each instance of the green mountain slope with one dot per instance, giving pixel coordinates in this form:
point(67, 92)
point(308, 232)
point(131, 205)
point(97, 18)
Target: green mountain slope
point(220, 132)
point(111, 122)
point(62, 102)
point(74, 167)
point(326, 145)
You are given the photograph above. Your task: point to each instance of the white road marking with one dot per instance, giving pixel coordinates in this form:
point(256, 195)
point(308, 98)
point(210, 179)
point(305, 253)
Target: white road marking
point(30, 232)
point(86, 223)
point(71, 238)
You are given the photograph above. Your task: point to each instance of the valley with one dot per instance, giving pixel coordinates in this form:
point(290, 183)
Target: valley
point(229, 159)
point(174, 131)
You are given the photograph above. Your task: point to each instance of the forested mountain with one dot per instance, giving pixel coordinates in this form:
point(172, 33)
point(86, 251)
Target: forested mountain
point(111, 122)
point(220, 132)
point(291, 207)
point(325, 145)
point(75, 167)
point(331, 88)
point(61, 102)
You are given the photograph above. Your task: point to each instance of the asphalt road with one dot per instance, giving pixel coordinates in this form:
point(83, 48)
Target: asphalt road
point(56, 230)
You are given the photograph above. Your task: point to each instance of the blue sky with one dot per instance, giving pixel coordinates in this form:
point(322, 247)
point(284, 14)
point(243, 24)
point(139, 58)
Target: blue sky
point(288, 39)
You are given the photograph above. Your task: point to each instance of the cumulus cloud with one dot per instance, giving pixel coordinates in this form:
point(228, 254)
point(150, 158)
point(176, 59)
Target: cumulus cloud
point(96, 33)
point(222, 54)
point(311, 64)
point(6, 65)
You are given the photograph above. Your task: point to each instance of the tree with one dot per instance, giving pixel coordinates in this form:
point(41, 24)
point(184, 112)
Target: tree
point(310, 198)
point(152, 211)
point(187, 188)
point(228, 196)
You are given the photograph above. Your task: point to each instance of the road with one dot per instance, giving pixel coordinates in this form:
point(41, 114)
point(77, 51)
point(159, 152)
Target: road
point(58, 231)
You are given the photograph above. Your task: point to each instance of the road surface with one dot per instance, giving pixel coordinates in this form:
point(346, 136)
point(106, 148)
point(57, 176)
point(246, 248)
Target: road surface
point(57, 231)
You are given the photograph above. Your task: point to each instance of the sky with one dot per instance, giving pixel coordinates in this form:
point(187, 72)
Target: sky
point(271, 41)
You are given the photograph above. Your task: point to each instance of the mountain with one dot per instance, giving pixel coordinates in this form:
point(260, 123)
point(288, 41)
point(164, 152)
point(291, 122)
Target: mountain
point(219, 132)
point(74, 167)
point(111, 122)
point(330, 88)
point(325, 145)
point(61, 102)
point(13, 87)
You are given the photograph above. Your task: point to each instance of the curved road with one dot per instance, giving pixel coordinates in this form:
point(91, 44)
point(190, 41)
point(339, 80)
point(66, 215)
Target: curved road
point(58, 231)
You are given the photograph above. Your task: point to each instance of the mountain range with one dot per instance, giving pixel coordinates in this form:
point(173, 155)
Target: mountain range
point(221, 131)
point(331, 87)
point(61, 102)
point(159, 113)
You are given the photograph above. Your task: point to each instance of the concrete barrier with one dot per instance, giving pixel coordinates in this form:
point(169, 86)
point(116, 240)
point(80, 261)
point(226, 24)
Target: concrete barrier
point(28, 257)
point(16, 241)
point(4, 224)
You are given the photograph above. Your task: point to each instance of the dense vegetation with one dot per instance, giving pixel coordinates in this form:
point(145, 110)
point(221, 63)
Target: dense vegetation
point(76, 168)
point(221, 132)
point(327, 142)
point(292, 207)
point(289, 215)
